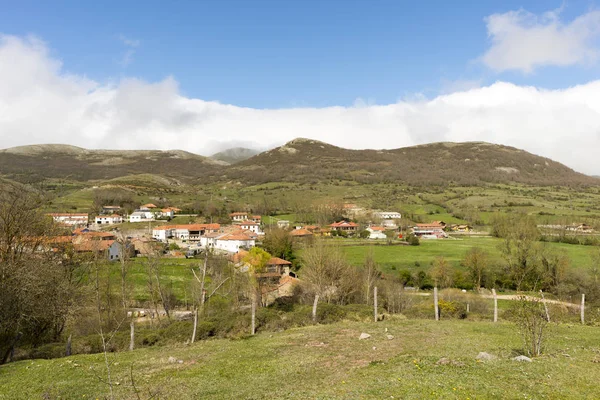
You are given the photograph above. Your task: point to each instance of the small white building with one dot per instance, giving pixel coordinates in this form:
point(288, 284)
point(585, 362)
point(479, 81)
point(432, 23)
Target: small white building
point(283, 224)
point(108, 219)
point(238, 216)
point(232, 242)
point(251, 226)
point(141, 216)
point(165, 213)
point(70, 219)
point(376, 232)
point(387, 215)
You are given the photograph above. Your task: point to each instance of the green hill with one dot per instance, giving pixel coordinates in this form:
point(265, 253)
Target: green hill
point(424, 359)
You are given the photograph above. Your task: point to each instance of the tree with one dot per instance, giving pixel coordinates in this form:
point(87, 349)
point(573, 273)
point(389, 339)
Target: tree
point(530, 317)
point(279, 243)
point(37, 290)
point(476, 261)
point(371, 276)
point(441, 272)
point(257, 260)
point(327, 273)
point(519, 248)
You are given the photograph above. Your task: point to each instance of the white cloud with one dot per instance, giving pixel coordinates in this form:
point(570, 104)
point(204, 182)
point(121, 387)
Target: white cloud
point(523, 41)
point(131, 44)
point(41, 104)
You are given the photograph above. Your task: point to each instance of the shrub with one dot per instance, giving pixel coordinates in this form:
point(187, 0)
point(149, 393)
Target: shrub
point(530, 318)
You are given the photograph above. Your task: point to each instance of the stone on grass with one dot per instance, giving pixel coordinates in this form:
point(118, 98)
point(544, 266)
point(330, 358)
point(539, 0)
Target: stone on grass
point(389, 337)
point(522, 358)
point(172, 360)
point(483, 356)
point(364, 336)
point(443, 361)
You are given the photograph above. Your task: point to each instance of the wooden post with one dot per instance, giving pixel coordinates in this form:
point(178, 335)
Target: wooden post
point(131, 335)
point(195, 324)
point(545, 306)
point(375, 303)
point(253, 313)
point(435, 304)
point(495, 305)
point(583, 309)
point(468, 308)
point(68, 349)
point(314, 310)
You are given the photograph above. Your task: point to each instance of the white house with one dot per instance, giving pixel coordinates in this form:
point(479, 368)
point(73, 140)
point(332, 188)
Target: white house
point(376, 232)
point(388, 218)
point(251, 226)
point(283, 224)
point(71, 219)
point(141, 216)
point(165, 213)
point(238, 216)
point(434, 230)
point(190, 232)
point(108, 219)
point(232, 242)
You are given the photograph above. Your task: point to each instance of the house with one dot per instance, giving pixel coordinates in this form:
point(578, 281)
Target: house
point(110, 249)
point(461, 228)
point(238, 216)
point(165, 213)
point(283, 224)
point(433, 230)
point(70, 219)
point(318, 231)
point(388, 218)
point(256, 218)
point(251, 226)
point(141, 216)
point(345, 226)
point(83, 235)
point(189, 232)
point(232, 242)
point(147, 207)
point(110, 209)
point(108, 219)
point(301, 233)
point(376, 232)
point(146, 247)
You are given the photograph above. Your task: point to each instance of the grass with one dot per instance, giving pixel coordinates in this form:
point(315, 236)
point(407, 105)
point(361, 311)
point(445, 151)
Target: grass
point(329, 362)
point(454, 250)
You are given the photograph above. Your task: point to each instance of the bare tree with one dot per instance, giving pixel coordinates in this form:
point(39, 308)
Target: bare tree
point(477, 261)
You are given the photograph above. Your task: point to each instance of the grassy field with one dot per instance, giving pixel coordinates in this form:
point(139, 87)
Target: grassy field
point(329, 362)
point(454, 250)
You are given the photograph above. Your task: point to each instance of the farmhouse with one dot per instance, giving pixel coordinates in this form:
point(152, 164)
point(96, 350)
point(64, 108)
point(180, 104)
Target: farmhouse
point(283, 224)
point(108, 219)
point(190, 232)
point(376, 232)
point(433, 230)
point(70, 219)
point(301, 233)
point(238, 216)
point(233, 242)
point(110, 209)
point(147, 207)
point(141, 216)
point(344, 226)
point(110, 249)
point(251, 226)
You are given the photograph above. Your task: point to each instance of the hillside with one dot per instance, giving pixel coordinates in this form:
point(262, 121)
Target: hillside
point(424, 359)
point(301, 161)
point(37, 162)
point(438, 163)
point(234, 155)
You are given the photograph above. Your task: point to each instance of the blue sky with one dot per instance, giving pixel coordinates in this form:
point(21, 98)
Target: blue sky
point(278, 54)
point(203, 76)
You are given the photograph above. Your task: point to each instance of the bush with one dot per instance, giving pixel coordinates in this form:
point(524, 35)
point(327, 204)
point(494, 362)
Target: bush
point(413, 240)
point(530, 318)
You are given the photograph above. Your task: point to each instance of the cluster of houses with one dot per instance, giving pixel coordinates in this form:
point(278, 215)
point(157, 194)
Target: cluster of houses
point(150, 212)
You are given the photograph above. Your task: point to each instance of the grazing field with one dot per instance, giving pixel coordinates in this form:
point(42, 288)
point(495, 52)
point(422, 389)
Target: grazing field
point(397, 257)
point(329, 362)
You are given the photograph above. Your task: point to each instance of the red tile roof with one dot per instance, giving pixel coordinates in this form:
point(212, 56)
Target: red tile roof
point(301, 232)
point(278, 261)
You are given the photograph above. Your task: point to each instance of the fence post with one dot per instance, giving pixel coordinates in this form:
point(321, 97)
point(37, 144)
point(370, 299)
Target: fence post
point(68, 349)
point(314, 310)
point(545, 306)
point(131, 335)
point(375, 303)
point(495, 305)
point(254, 313)
point(583, 309)
point(435, 303)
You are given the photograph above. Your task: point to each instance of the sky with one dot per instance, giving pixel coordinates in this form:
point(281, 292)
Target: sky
point(203, 76)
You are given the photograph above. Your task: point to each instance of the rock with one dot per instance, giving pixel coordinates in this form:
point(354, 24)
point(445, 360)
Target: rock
point(180, 361)
point(483, 356)
point(389, 337)
point(172, 360)
point(522, 358)
point(386, 330)
point(364, 336)
point(443, 361)
point(374, 348)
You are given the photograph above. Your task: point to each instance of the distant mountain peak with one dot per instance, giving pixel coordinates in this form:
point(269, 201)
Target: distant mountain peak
point(234, 155)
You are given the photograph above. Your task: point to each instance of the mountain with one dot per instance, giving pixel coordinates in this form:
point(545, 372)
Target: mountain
point(468, 163)
point(234, 155)
point(38, 162)
point(300, 160)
